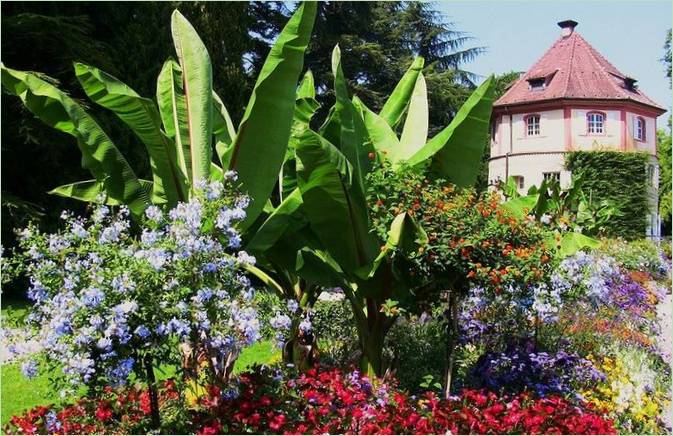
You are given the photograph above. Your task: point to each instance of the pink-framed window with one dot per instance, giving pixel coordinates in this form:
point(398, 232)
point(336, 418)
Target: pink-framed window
point(532, 124)
point(639, 129)
point(595, 123)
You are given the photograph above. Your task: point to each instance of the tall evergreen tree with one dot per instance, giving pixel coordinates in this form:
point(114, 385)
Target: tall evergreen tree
point(379, 40)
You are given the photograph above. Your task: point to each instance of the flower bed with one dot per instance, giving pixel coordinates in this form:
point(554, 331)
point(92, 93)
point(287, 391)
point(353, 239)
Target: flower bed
point(317, 402)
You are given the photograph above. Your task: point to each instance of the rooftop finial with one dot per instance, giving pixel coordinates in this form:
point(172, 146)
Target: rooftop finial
point(567, 27)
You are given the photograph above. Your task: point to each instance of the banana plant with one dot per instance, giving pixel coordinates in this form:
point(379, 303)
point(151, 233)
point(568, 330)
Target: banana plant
point(574, 218)
point(331, 169)
point(180, 129)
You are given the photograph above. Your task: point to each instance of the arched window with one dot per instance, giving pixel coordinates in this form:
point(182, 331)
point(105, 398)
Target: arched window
point(532, 125)
point(595, 123)
point(639, 128)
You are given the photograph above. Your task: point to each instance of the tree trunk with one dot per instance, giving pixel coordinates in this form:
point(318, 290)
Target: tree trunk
point(154, 397)
point(452, 336)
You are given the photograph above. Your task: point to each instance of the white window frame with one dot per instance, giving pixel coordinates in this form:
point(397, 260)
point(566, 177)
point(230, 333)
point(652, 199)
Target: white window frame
point(533, 122)
point(639, 128)
point(595, 123)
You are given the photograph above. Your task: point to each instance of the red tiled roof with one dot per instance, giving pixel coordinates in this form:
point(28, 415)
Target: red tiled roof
point(573, 69)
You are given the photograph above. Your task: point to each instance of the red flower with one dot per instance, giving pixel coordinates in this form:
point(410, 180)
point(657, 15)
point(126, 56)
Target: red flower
point(103, 412)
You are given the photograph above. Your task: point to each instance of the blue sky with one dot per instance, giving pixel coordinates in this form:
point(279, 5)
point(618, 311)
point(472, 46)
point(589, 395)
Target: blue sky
point(630, 34)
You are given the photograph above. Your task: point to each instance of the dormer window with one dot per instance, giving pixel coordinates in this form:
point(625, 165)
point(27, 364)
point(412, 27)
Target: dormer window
point(537, 84)
point(639, 128)
point(595, 123)
point(532, 125)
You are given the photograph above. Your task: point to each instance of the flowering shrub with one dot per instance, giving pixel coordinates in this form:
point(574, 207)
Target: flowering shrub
point(633, 391)
point(109, 305)
point(326, 401)
point(543, 373)
point(471, 240)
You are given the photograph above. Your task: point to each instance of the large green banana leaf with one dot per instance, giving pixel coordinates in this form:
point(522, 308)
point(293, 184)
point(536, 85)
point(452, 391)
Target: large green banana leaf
point(173, 111)
point(286, 215)
point(455, 152)
point(91, 191)
point(345, 127)
point(521, 206)
point(99, 154)
point(338, 218)
point(223, 127)
point(142, 116)
point(262, 137)
point(405, 234)
point(197, 75)
point(382, 136)
point(415, 131)
point(572, 242)
point(304, 109)
point(397, 103)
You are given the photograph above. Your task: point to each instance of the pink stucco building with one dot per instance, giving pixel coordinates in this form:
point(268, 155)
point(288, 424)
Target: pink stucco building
point(572, 98)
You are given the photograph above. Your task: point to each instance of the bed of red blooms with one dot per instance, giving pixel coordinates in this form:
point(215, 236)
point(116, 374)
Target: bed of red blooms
point(317, 402)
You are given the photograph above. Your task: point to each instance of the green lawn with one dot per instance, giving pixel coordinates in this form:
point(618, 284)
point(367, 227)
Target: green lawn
point(18, 393)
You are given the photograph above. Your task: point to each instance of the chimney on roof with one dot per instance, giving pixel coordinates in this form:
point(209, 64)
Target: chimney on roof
point(567, 27)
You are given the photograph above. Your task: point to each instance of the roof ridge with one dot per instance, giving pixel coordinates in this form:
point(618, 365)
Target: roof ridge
point(570, 62)
point(593, 53)
point(526, 73)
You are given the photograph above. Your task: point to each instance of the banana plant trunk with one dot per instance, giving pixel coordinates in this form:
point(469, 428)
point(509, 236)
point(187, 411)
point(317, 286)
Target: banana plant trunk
point(372, 335)
point(301, 348)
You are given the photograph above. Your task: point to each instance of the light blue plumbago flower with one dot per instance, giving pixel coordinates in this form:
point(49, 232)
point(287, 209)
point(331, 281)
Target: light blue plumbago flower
point(209, 268)
point(79, 231)
point(97, 322)
point(280, 321)
point(29, 369)
point(142, 332)
point(100, 213)
point(118, 375)
point(92, 297)
point(203, 295)
point(104, 344)
point(230, 175)
point(157, 257)
point(123, 284)
point(150, 237)
point(36, 293)
point(292, 306)
point(178, 326)
point(57, 243)
point(305, 326)
point(153, 213)
point(53, 423)
point(245, 258)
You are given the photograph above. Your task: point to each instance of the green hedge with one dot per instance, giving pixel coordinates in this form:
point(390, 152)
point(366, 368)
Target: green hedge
point(620, 178)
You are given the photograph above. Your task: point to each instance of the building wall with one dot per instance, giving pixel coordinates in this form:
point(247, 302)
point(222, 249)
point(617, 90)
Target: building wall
point(563, 130)
point(649, 145)
point(611, 139)
point(531, 167)
point(557, 134)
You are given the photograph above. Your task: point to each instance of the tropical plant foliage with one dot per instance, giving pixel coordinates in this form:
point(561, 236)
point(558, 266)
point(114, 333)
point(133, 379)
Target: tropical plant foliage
point(179, 132)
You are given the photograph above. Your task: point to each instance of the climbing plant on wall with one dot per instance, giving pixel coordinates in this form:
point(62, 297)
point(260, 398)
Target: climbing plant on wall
point(620, 178)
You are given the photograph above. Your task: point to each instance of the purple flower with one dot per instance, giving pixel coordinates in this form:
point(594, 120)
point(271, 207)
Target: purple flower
point(29, 369)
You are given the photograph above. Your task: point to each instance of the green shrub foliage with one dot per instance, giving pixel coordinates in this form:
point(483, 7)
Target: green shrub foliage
point(620, 178)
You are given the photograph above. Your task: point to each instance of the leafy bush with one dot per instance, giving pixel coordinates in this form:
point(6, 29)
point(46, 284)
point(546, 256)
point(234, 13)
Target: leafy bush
point(416, 348)
point(334, 323)
point(629, 192)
